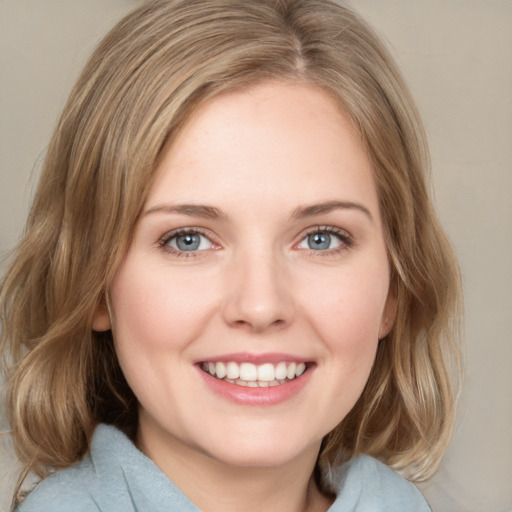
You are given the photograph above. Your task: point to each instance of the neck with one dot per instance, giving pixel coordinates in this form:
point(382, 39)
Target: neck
point(255, 489)
point(216, 486)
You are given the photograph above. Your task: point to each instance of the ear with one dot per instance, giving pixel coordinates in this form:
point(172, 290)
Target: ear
point(101, 318)
point(389, 313)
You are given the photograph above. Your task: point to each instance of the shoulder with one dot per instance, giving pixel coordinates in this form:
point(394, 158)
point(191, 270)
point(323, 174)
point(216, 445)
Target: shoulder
point(81, 487)
point(96, 483)
point(366, 485)
point(113, 477)
point(68, 489)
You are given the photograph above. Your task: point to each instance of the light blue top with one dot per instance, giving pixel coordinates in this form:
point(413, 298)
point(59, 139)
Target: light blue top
point(117, 477)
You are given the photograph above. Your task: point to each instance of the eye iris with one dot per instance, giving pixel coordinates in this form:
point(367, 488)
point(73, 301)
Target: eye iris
point(188, 242)
point(319, 241)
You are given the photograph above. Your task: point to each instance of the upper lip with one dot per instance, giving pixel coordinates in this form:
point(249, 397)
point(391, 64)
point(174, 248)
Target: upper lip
point(249, 357)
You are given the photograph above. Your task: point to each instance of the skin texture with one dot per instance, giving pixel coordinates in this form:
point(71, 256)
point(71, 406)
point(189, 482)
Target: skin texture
point(253, 287)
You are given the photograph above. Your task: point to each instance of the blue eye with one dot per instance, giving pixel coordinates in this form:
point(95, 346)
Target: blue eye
point(188, 241)
point(324, 240)
point(319, 241)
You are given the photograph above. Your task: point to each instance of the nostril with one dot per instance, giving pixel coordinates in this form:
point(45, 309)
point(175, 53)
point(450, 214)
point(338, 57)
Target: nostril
point(259, 325)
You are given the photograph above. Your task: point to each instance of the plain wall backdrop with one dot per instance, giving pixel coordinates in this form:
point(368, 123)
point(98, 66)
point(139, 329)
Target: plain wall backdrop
point(457, 58)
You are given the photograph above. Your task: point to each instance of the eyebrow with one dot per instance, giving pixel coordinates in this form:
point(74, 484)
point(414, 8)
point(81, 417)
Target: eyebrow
point(301, 212)
point(322, 208)
point(191, 210)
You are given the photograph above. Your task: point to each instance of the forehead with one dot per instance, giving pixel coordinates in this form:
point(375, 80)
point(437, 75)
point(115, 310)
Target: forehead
point(274, 141)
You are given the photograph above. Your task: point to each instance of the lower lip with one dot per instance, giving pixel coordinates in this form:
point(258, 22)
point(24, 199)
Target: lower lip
point(244, 395)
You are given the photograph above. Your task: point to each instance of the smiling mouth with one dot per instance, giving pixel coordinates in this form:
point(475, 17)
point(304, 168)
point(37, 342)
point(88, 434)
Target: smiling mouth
point(255, 375)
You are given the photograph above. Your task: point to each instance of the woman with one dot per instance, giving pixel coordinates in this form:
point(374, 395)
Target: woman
point(232, 284)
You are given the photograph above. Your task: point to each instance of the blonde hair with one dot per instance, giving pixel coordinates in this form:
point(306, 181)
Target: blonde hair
point(140, 85)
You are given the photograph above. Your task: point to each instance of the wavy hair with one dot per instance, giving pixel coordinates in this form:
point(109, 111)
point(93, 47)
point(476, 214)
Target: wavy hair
point(140, 85)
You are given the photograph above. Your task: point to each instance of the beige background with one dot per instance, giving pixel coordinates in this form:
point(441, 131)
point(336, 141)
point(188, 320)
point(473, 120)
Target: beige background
point(457, 58)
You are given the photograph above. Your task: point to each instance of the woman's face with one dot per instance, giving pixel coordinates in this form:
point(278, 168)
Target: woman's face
point(247, 311)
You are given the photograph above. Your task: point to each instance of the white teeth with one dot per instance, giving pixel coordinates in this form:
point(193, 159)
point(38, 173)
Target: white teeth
point(251, 375)
point(233, 371)
point(248, 372)
point(281, 372)
point(220, 370)
point(266, 372)
point(291, 371)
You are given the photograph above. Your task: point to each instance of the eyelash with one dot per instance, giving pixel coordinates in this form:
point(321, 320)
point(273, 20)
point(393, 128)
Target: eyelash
point(346, 241)
point(164, 241)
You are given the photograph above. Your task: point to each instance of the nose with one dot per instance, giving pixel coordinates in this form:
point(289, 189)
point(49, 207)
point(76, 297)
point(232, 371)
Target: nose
point(259, 293)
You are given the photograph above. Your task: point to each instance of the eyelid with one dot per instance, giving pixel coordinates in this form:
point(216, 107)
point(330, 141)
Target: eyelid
point(163, 241)
point(344, 236)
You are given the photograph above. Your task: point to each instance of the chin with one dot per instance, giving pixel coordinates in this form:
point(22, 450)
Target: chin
point(262, 451)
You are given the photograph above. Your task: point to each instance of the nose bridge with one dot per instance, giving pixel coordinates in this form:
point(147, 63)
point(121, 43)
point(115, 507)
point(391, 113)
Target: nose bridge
point(259, 290)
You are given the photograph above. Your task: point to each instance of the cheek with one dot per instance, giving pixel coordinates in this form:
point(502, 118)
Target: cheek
point(156, 316)
point(346, 312)
point(349, 305)
point(154, 310)
point(142, 324)
point(152, 325)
